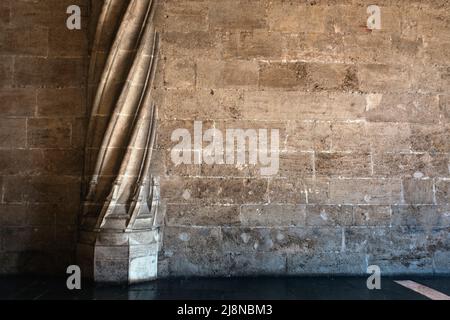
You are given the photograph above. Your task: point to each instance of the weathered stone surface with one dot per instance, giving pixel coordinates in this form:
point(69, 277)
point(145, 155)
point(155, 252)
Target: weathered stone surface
point(411, 108)
point(200, 215)
point(291, 17)
point(389, 137)
point(348, 18)
point(213, 191)
point(298, 164)
point(6, 71)
point(414, 247)
point(309, 136)
point(202, 240)
point(302, 76)
point(139, 269)
point(49, 13)
point(283, 76)
point(63, 42)
point(31, 71)
point(444, 107)
point(441, 262)
point(329, 215)
point(442, 191)
point(113, 271)
point(364, 48)
point(184, 44)
point(273, 215)
point(375, 78)
point(269, 105)
point(17, 102)
point(232, 14)
point(425, 216)
point(38, 162)
point(430, 138)
point(24, 41)
point(318, 47)
point(38, 262)
point(227, 74)
point(410, 165)
point(49, 133)
point(14, 215)
point(231, 170)
point(180, 73)
point(289, 240)
point(198, 264)
point(343, 164)
point(171, 169)
point(372, 215)
point(253, 44)
point(13, 133)
point(365, 191)
point(184, 16)
point(319, 264)
point(292, 190)
point(28, 239)
point(349, 137)
point(401, 265)
point(257, 263)
point(166, 128)
point(112, 253)
point(377, 241)
point(61, 102)
point(416, 191)
point(5, 13)
point(41, 189)
point(201, 104)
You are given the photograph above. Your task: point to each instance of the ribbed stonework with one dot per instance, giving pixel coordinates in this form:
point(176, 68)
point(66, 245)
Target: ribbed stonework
point(119, 225)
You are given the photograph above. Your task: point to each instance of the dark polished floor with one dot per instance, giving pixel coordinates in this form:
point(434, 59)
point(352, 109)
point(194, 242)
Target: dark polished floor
point(28, 288)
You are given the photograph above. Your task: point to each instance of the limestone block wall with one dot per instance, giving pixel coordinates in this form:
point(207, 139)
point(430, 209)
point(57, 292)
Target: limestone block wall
point(42, 120)
point(363, 118)
point(364, 136)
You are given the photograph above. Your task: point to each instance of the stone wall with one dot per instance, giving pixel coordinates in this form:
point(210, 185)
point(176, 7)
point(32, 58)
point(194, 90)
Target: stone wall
point(363, 116)
point(364, 129)
point(42, 119)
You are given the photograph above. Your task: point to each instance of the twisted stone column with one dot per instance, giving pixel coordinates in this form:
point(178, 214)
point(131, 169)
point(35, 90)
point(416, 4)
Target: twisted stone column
point(119, 223)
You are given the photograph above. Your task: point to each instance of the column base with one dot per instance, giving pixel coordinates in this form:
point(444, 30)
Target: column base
point(119, 257)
